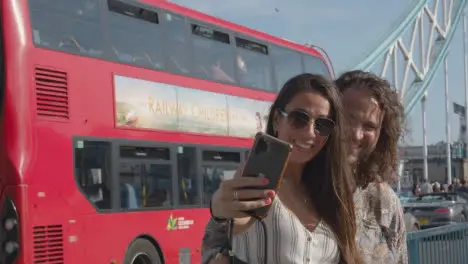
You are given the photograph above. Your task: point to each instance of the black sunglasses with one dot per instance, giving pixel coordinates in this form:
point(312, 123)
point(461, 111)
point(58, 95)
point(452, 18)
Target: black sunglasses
point(299, 119)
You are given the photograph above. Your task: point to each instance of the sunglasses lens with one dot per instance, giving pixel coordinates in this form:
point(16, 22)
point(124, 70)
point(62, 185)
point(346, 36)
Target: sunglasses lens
point(298, 119)
point(324, 126)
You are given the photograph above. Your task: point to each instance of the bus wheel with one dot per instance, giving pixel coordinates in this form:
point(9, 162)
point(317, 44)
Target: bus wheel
point(141, 251)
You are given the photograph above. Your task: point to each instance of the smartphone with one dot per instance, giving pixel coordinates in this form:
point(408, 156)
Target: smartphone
point(268, 156)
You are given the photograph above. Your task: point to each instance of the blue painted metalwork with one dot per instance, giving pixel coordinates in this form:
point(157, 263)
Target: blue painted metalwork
point(413, 94)
point(441, 245)
point(439, 53)
point(397, 32)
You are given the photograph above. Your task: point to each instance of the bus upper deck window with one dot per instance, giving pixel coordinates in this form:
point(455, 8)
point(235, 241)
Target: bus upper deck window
point(287, 64)
point(253, 65)
point(315, 65)
point(72, 26)
point(176, 48)
point(135, 34)
point(214, 56)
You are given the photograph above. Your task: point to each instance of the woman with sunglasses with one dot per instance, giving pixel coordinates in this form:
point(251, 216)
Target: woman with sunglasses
point(312, 218)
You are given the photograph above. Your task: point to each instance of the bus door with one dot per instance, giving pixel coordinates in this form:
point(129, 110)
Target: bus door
point(146, 176)
point(218, 165)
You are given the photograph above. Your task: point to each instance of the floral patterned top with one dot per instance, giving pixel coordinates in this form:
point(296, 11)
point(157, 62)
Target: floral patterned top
point(381, 230)
point(381, 233)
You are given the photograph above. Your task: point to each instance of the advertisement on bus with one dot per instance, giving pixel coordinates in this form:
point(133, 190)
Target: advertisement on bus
point(153, 105)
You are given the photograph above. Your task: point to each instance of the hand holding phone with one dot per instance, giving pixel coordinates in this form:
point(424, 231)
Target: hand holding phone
point(268, 158)
point(245, 190)
point(239, 194)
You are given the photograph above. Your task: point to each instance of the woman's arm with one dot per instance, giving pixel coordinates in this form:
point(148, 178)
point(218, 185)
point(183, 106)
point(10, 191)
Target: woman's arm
point(391, 215)
point(214, 240)
point(241, 223)
point(229, 202)
point(400, 243)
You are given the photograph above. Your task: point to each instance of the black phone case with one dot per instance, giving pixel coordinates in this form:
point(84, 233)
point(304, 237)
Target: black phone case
point(269, 156)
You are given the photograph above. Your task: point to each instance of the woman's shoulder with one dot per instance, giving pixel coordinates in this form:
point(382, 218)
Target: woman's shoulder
point(381, 192)
point(380, 199)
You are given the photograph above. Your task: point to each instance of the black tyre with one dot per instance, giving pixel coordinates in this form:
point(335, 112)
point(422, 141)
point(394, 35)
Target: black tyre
point(141, 251)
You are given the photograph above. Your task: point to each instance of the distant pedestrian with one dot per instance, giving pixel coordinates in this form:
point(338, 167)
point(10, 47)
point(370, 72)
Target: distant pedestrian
point(462, 187)
point(451, 188)
point(416, 190)
point(426, 187)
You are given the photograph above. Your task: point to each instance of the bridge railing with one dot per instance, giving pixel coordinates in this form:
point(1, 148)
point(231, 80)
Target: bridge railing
point(440, 245)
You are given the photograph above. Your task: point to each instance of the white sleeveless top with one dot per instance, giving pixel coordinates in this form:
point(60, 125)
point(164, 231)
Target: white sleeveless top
point(289, 241)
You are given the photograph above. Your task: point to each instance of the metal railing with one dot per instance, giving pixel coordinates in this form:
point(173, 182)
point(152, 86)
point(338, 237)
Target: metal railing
point(440, 245)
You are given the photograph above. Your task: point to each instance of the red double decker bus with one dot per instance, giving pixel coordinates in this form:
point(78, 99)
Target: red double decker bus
point(118, 121)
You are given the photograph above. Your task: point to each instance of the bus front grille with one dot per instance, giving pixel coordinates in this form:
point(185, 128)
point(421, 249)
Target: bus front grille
point(48, 244)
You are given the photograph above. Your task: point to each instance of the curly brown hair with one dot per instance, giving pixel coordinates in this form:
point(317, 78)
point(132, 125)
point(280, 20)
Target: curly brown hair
point(382, 164)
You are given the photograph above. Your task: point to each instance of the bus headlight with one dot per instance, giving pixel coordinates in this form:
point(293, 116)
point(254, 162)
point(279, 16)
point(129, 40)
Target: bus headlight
point(10, 247)
point(10, 223)
point(9, 232)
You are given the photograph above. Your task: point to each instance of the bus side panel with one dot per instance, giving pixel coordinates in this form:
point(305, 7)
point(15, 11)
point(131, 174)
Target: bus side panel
point(109, 235)
point(43, 237)
point(52, 218)
point(48, 230)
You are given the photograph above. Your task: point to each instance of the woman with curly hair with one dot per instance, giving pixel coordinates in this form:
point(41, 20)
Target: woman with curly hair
point(376, 118)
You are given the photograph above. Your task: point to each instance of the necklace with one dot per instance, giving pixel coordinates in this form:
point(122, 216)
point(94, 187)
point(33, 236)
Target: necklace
point(299, 192)
point(309, 221)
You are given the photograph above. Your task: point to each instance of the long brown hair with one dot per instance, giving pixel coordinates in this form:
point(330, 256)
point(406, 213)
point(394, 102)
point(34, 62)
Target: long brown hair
point(382, 164)
point(326, 176)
